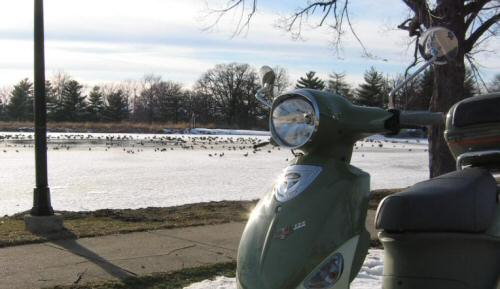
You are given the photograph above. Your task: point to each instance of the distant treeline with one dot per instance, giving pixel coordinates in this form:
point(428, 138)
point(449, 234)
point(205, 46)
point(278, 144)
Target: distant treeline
point(222, 95)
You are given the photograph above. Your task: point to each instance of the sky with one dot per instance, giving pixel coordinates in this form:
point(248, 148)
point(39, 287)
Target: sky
point(98, 41)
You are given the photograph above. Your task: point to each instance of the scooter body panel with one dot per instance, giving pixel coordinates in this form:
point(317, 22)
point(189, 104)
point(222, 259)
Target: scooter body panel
point(442, 260)
point(283, 242)
point(494, 229)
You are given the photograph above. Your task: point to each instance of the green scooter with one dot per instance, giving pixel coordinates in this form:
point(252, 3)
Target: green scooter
point(309, 231)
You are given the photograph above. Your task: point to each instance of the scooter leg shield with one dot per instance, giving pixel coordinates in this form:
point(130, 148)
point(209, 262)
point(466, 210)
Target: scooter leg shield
point(285, 243)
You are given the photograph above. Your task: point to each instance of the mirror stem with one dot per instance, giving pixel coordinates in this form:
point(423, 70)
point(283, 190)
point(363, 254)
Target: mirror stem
point(261, 96)
point(408, 79)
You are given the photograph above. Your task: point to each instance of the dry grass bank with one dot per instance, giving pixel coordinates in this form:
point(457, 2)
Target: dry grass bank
point(108, 222)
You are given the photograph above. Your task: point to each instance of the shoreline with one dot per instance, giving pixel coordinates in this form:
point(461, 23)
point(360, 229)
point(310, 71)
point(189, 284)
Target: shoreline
point(83, 224)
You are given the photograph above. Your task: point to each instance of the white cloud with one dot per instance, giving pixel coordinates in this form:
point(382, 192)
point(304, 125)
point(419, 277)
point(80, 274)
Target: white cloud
point(96, 41)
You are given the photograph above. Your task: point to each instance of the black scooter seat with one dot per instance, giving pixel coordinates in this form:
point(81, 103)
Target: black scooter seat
point(460, 201)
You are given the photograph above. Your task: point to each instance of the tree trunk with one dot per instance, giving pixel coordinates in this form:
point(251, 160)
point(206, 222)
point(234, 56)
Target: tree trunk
point(448, 86)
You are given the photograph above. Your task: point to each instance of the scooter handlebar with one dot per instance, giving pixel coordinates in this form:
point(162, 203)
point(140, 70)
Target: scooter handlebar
point(420, 118)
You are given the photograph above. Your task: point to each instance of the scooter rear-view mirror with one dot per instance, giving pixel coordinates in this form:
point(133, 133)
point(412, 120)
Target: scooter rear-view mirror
point(438, 42)
point(437, 45)
point(267, 78)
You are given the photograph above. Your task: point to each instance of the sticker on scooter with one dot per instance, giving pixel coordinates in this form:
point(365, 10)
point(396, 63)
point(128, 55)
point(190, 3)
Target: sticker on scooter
point(285, 232)
point(299, 225)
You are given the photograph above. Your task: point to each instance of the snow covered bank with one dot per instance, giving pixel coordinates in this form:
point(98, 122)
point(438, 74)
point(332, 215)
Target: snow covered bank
point(369, 277)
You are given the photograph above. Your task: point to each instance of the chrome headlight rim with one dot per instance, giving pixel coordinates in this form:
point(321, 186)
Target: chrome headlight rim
point(295, 94)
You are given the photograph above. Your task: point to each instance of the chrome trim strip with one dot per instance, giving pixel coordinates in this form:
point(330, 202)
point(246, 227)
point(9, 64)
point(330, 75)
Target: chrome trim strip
point(469, 155)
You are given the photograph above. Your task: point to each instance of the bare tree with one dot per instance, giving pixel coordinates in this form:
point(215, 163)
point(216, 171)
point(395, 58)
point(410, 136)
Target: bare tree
point(472, 21)
point(4, 98)
point(282, 81)
point(132, 88)
point(168, 95)
point(232, 86)
point(147, 101)
point(200, 106)
point(58, 81)
point(494, 85)
point(4, 94)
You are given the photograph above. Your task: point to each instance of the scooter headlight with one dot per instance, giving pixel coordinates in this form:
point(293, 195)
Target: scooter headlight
point(327, 274)
point(294, 121)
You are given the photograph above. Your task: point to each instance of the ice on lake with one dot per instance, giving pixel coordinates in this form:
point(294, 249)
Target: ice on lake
point(97, 171)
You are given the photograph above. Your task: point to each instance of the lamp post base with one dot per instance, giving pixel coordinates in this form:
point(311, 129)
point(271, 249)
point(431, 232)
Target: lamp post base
point(41, 202)
point(43, 224)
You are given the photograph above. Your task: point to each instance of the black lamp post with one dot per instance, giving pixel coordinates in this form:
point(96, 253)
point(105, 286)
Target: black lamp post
point(41, 194)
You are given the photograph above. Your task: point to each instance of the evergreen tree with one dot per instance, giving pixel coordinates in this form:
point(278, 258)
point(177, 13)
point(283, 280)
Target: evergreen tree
point(470, 87)
point(20, 106)
point(54, 110)
point(425, 85)
point(73, 102)
point(421, 99)
point(116, 108)
point(96, 105)
point(310, 81)
point(373, 91)
point(338, 85)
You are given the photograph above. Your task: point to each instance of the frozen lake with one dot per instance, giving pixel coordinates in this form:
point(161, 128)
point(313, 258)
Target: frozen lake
point(97, 171)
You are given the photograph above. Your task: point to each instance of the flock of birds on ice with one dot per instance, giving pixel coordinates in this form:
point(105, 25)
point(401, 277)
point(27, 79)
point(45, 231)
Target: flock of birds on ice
point(216, 146)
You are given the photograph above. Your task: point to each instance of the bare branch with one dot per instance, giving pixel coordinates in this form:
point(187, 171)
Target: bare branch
point(244, 20)
point(482, 40)
point(294, 22)
point(365, 51)
point(475, 72)
point(469, 43)
point(472, 10)
point(332, 13)
point(415, 58)
point(474, 6)
point(422, 16)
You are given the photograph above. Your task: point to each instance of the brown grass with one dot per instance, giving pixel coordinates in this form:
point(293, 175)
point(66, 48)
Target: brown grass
point(166, 280)
point(108, 222)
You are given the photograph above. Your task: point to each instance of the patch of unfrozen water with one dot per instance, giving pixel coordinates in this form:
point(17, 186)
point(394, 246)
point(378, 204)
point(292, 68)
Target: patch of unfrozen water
point(369, 277)
point(91, 171)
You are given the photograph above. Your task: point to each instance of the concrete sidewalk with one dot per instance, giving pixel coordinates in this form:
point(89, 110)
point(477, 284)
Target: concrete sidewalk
point(68, 262)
